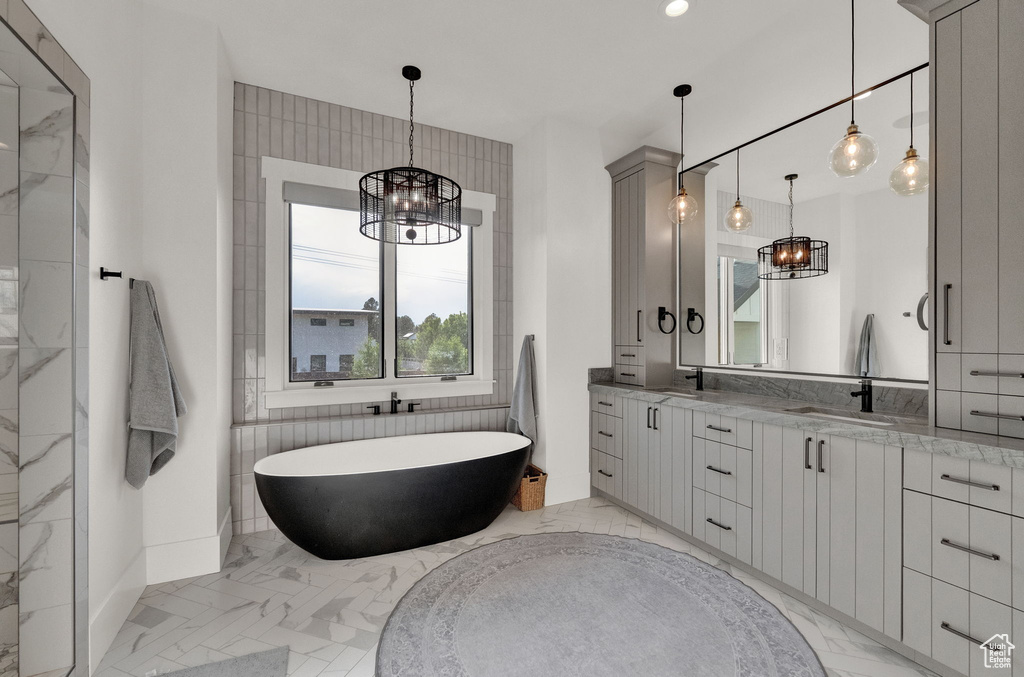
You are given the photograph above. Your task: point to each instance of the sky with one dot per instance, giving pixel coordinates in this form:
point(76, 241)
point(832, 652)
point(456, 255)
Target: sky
point(334, 266)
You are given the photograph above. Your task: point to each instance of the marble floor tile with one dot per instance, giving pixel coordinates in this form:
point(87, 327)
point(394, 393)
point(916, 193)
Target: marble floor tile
point(330, 614)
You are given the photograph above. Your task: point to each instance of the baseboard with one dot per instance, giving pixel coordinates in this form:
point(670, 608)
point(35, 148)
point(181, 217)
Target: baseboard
point(562, 489)
point(110, 615)
point(185, 559)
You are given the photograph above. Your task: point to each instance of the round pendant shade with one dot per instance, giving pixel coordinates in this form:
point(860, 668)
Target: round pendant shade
point(408, 205)
point(792, 258)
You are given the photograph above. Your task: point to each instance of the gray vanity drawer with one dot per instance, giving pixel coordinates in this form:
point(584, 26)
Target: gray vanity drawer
point(723, 470)
point(725, 429)
point(606, 433)
point(986, 485)
point(980, 373)
point(980, 412)
point(606, 473)
point(606, 404)
point(730, 529)
point(629, 355)
point(630, 374)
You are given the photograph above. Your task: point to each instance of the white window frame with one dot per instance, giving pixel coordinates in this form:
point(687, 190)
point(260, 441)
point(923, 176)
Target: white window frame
point(280, 391)
point(731, 253)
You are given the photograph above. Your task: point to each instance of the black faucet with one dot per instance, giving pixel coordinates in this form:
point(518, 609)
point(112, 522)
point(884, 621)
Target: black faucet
point(395, 402)
point(412, 406)
point(376, 409)
point(699, 375)
point(865, 396)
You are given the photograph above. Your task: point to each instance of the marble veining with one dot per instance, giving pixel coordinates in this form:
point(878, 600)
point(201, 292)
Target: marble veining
point(889, 399)
point(774, 411)
point(46, 135)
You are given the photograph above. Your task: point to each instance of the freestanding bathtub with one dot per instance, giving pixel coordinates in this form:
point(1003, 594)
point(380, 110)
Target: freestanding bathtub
point(368, 497)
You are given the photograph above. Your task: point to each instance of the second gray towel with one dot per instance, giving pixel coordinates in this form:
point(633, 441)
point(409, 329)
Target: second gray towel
point(522, 414)
point(154, 400)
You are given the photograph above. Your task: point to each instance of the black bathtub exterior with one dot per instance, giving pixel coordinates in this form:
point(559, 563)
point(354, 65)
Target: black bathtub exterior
point(348, 516)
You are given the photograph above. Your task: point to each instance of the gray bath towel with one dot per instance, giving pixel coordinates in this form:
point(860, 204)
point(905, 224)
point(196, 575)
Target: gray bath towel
point(522, 414)
point(154, 401)
point(867, 354)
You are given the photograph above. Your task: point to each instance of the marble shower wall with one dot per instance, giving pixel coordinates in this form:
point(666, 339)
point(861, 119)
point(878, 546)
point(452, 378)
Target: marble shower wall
point(46, 343)
point(9, 280)
point(275, 124)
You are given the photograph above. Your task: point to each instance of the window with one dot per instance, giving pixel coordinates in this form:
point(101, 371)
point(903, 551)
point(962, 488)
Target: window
point(413, 319)
point(742, 325)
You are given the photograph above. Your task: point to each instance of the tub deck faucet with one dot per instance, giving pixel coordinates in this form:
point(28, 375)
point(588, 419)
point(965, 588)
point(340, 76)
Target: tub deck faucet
point(395, 402)
point(699, 375)
point(865, 396)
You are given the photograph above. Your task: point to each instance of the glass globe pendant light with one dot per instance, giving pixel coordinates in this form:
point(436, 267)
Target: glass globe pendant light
point(739, 218)
point(409, 205)
point(683, 208)
point(856, 152)
point(910, 177)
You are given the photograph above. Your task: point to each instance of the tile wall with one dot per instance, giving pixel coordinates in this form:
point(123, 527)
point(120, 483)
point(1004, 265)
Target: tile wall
point(269, 123)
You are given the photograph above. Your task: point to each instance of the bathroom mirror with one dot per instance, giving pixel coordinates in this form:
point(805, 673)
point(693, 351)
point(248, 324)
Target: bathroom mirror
point(877, 251)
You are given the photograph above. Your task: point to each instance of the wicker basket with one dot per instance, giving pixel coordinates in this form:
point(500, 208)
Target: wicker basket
point(530, 494)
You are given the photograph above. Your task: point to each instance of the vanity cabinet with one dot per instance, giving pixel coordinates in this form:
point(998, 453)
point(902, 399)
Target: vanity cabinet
point(827, 521)
point(978, 215)
point(643, 267)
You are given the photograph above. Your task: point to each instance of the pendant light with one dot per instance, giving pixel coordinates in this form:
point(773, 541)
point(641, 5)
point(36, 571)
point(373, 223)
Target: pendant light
point(739, 218)
point(408, 205)
point(792, 257)
point(683, 207)
point(910, 177)
point(856, 152)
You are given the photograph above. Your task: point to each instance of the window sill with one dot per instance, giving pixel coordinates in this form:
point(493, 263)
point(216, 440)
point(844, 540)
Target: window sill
point(315, 397)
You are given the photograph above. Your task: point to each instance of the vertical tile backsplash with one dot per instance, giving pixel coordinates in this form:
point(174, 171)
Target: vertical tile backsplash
point(275, 124)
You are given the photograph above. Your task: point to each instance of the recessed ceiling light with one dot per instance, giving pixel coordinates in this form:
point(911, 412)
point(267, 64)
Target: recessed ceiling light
point(674, 8)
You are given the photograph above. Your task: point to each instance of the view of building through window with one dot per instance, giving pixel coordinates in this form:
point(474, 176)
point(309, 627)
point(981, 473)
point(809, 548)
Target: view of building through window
point(336, 311)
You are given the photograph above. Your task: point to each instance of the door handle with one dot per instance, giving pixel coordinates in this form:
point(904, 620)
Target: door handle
point(717, 470)
point(1001, 374)
point(603, 433)
point(979, 485)
point(622, 373)
point(920, 312)
point(649, 417)
point(721, 430)
point(963, 548)
point(720, 526)
point(605, 404)
point(655, 418)
point(606, 474)
point(945, 314)
point(639, 338)
point(986, 414)
point(821, 448)
point(807, 453)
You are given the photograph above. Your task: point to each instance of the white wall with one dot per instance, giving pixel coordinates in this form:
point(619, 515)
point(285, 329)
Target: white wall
point(562, 288)
point(160, 210)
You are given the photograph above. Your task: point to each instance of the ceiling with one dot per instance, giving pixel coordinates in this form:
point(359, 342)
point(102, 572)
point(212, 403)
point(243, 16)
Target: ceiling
point(496, 68)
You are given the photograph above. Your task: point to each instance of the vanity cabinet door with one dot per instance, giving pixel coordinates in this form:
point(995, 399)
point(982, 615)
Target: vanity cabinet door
point(946, 182)
point(1011, 178)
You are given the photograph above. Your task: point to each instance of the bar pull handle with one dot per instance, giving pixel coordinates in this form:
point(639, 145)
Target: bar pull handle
point(655, 418)
point(622, 373)
point(638, 337)
point(720, 526)
point(807, 453)
point(962, 635)
point(721, 430)
point(627, 355)
point(603, 433)
point(649, 416)
point(605, 404)
point(987, 414)
point(821, 451)
point(964, 548)
point(945, 311)
point(606, 474)
point(979, 485)
point(717, 470)
point(1001, 374)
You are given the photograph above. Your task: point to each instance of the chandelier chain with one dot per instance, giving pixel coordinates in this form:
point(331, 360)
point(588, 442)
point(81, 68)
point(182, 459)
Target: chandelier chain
point(412, 125)
point(791, 207)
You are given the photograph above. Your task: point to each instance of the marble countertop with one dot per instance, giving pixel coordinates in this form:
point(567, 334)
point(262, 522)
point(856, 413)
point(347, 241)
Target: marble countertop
point(906, 432)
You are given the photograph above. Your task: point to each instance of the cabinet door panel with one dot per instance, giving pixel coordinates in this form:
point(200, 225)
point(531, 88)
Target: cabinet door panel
point(681, 459)
point(917, 534)
point(980, 196)
point(642, 450)
point(654, 441)
point(917, 611)
point(1011, 178)
point(700, 456)
point(950, 521)
point(893, 584)
point(871, 524)
point(988, 618)
point(757, 499)
point(637, 431)
point(769, 450)
point(989, 534)
point(946, 163)
point(669, 438)
point(951, 605)
point(795, 510)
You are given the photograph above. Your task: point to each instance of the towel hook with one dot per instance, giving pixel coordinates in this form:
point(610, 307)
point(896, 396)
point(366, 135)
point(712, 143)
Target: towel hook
point(106, 272)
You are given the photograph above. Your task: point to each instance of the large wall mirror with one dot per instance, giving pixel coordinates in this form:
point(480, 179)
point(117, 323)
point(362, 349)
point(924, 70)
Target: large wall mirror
point(877, 250)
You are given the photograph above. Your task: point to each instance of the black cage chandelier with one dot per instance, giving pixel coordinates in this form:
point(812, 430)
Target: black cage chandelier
point(408, 205)
point(792, 257)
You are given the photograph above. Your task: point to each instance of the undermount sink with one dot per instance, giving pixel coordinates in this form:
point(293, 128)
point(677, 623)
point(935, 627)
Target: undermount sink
point(845, 415)
point(673, 392)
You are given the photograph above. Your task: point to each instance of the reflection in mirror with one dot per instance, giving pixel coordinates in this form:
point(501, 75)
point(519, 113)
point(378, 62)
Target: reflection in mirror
point(878, 251)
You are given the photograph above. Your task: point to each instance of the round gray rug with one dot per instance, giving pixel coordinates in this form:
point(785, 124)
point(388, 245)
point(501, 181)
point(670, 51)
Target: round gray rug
point(568, 604)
